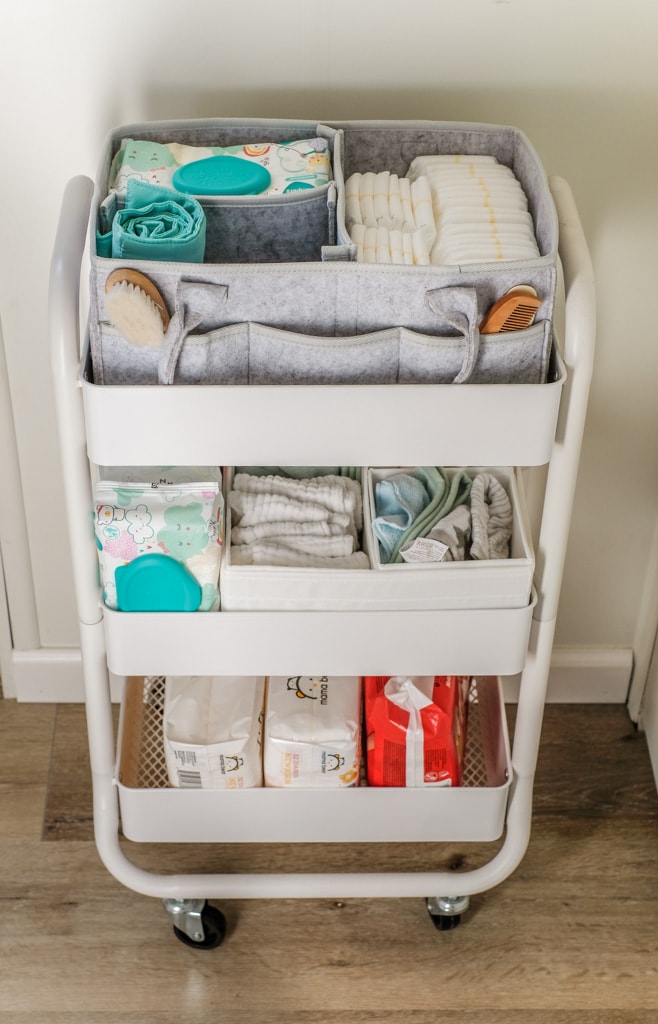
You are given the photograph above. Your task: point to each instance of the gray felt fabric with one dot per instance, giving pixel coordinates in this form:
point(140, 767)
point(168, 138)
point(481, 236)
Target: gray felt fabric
point(279, 298)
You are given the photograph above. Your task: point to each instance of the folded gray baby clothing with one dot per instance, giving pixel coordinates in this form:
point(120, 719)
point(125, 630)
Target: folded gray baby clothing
point(491, 515)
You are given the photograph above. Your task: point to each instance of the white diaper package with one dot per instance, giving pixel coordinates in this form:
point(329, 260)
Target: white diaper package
point(212, 731)
point(312, 735)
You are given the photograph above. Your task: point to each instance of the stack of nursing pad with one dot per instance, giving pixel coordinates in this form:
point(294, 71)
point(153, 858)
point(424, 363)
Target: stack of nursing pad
point(480, 210)
point(390, 219)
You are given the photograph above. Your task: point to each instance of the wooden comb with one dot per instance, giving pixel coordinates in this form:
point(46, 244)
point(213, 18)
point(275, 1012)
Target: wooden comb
point(514, 312)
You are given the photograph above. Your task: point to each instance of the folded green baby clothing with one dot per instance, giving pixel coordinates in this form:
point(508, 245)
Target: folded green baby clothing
point(399, 500)
point(408, 505)
point(446, 493)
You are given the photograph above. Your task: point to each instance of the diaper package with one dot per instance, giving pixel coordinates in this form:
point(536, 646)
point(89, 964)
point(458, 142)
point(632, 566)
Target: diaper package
point(212, 731)
point(416, 728)
point(159, 534)
point(312, 734)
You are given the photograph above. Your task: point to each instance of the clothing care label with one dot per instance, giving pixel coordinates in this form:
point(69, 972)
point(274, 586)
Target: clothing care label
point(424, 549)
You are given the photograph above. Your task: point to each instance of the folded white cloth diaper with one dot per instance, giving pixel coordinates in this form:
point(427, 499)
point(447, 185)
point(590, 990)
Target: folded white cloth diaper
point(313, 521)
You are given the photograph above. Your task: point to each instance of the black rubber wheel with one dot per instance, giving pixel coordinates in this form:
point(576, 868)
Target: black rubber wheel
point(214, 930)
point(445, 922)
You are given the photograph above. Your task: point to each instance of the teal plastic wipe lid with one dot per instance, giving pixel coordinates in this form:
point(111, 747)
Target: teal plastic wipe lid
point(222, 175)
point(156, 583)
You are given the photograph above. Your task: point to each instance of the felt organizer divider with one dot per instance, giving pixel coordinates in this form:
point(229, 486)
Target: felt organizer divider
point(307, 313)
point(499, 583)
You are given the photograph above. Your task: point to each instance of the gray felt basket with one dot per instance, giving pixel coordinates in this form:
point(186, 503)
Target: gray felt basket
point(281, 300)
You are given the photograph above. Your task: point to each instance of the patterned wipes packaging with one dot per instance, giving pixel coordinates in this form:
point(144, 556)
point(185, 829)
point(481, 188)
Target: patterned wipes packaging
point(292, 166)
point(159, 534)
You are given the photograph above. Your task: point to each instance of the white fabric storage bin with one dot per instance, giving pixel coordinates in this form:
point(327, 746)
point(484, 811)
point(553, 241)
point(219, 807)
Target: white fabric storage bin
point(286, 588)
point(498, 583)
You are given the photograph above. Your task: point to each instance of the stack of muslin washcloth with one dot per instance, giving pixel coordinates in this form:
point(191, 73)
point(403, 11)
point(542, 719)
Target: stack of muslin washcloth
point(389, 219)
point(314, 522)
point(480, 209)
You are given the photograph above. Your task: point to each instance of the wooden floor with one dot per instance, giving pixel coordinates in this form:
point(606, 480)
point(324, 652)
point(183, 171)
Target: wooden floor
point(571, 937)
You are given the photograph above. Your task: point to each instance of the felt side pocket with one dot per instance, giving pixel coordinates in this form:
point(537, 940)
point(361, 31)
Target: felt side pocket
point(216, 357)
point(281, 357)
point(514, 357)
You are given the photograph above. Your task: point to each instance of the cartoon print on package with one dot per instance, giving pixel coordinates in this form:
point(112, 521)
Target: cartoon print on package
point(168, 511)
point(292, 166)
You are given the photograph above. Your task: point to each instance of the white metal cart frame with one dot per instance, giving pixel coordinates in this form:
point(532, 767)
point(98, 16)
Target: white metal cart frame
point(186, 890)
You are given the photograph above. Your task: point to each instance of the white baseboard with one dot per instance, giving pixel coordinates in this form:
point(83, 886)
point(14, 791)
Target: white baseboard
point(578, 675)
point(48, 676)
point(585, 675)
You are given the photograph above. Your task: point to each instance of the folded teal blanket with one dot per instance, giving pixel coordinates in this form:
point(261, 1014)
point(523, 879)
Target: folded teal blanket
point(155, 224)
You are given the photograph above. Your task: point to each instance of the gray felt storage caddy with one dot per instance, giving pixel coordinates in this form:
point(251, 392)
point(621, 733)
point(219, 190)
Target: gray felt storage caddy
point(280, 298)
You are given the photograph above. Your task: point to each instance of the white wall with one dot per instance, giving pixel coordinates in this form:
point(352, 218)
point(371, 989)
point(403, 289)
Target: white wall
point(579, 76)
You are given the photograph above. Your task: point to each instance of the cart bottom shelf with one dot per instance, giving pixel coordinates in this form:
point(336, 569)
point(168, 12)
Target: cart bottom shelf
point(152, 811)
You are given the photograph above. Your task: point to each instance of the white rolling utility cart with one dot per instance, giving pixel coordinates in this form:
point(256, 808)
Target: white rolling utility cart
point(536, 428)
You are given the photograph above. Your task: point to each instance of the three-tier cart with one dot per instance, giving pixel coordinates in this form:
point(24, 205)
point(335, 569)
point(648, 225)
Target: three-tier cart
point(536, 428)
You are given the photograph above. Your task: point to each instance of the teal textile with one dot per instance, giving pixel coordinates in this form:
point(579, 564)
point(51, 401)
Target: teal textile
point(156, 224)
point(402, 514)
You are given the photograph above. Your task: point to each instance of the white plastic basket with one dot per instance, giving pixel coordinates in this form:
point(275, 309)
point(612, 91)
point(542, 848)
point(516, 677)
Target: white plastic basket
point(153, 812)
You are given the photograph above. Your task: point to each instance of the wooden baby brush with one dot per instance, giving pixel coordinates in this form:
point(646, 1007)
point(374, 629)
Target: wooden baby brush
point(135, 307)
point(514, 312)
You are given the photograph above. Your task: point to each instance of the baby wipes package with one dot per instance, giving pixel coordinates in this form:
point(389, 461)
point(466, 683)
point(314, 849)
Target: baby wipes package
point(416, 728)
point(312, 735)
point(212, 731)
point(159, 534)
point(284, 167)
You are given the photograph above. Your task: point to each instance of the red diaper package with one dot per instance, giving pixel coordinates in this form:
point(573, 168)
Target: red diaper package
point(416, 729)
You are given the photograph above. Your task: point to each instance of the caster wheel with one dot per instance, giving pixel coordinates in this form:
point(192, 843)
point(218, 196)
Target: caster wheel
point(446, 911)
point(444, 923)
point(214, 930)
